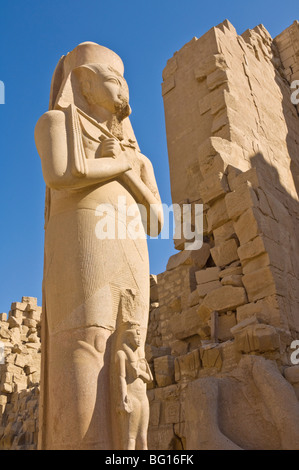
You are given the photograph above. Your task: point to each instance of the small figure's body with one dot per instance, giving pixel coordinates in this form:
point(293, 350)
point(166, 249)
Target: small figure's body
point(134, 373)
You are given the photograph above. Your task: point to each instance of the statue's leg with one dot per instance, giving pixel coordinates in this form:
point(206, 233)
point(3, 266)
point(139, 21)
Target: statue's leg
point(201, 410)
point(281, 401)
point(78, 387)
point(133, 425)
point(143, 426)
point(131, 445)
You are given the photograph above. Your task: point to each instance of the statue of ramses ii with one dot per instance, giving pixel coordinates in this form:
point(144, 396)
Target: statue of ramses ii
point(95, 288)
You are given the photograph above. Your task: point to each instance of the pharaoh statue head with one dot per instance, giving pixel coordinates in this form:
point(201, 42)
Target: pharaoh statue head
point(91, 77)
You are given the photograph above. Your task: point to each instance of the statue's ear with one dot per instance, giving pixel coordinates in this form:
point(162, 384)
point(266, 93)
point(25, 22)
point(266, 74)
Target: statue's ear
point(86, 87)
point(82, 77)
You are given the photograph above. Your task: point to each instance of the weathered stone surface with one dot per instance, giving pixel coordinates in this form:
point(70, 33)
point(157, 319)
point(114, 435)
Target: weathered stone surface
point(214, 155)
point(213, 188)
point(186, 323)
point(207, 275)
point(254, 264)
point(164, 370)
point(238, 201)
point(224, 232)
point(225, 323)
point(187, 366)
point(204, 289)
point(153, 352)
point(252, 249)
point(225, 253)
point(197, 258)
point(260, 284)
point(217, 215)
point(223, 299)
point(162, 437)
point(266, 310)
point(292, 374)
point(233, 270)
point(257, 337)
point(250, 224)
point(211, 356)
point(193, 299)
point(207, 429)
point(232, 280)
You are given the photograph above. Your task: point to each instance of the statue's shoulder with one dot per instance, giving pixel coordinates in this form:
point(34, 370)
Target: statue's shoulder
point(50, 119)
point(51, 127)
point(145, 160)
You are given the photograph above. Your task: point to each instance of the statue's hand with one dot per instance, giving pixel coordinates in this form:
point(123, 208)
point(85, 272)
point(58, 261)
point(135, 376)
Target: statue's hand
point(110, 148)
point(125, 406)
point(123, 162)
point(128, 405)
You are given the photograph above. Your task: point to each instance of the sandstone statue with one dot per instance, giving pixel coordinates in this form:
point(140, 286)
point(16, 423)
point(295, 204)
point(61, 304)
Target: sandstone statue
point(132, 373)
point(90, 161)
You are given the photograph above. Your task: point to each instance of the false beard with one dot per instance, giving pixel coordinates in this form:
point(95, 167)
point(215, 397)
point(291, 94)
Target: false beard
point(115, 124)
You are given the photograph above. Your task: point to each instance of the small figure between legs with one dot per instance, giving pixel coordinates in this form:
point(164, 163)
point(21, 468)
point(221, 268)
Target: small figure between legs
point(134, 373)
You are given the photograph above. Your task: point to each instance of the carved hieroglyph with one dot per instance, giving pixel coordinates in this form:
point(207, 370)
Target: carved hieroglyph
point(90, 157)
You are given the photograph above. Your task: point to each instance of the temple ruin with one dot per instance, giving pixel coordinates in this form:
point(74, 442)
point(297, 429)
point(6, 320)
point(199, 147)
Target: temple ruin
point(224, 318)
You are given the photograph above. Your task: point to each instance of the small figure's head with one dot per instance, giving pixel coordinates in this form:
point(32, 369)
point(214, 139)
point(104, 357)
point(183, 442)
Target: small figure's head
point(132, 335)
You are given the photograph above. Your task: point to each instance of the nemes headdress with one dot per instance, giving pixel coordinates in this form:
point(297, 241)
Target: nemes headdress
point(84, 54)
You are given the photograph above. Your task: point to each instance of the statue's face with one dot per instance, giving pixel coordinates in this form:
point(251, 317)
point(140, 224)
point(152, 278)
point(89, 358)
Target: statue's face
point(110, 91)
point(134, 337)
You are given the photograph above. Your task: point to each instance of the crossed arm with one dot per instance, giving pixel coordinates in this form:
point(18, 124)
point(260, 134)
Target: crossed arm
point(52, 145)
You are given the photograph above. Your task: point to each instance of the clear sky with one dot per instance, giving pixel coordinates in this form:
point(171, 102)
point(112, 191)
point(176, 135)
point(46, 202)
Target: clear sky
point(34, 35)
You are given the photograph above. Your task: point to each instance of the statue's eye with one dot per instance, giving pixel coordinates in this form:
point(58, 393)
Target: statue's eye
point(113, 80)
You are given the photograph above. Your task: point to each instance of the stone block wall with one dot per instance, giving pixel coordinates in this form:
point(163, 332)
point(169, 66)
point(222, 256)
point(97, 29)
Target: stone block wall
point(228, 313)
point(20, 375)
point(231, 96)
point(209, 324)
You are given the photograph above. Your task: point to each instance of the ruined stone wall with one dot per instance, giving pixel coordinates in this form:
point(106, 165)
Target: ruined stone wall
point(228, 313)
point(20, 375)
point(288, 45)
point(230, 95)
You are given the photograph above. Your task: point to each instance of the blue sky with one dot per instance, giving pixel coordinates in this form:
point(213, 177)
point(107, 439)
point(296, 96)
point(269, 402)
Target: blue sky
point(34, 35)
